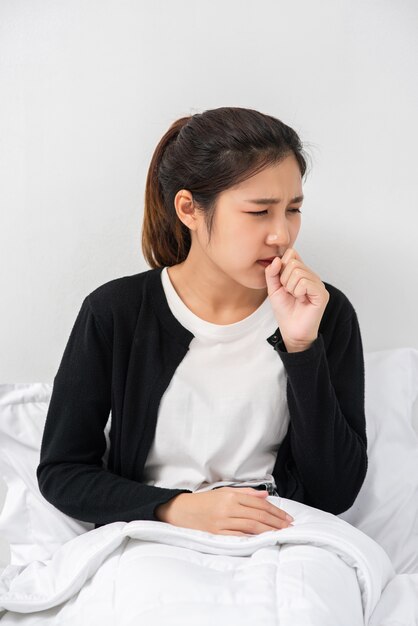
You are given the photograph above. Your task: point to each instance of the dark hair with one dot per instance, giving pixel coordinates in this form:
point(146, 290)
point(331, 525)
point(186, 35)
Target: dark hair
point(206, 153)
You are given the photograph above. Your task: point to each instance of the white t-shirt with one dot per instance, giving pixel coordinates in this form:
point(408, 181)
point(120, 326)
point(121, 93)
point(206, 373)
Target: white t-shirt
point(224, 414)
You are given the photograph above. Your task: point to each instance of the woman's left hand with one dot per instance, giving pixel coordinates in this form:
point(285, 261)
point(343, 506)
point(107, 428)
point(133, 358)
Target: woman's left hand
point(298, 297)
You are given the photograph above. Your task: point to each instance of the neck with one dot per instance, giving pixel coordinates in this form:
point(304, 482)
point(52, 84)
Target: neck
point(205, 289)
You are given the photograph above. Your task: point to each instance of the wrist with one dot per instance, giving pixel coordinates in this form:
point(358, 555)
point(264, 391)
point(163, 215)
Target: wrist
point(298, 347)
point(165, 512)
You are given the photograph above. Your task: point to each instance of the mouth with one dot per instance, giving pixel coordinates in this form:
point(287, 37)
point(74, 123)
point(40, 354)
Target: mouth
point(269, 260)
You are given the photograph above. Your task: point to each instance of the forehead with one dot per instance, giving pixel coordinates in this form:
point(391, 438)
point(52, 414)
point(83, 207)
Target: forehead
point(279, 180)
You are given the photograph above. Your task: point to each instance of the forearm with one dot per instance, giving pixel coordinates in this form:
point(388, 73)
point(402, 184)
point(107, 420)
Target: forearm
point(330, 454)
point(92, 494)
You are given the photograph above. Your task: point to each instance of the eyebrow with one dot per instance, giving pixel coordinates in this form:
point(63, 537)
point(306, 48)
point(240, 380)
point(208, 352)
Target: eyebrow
point(264, 201)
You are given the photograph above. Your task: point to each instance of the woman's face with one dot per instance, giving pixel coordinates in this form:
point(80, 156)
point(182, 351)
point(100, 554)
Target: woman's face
point(245, 232)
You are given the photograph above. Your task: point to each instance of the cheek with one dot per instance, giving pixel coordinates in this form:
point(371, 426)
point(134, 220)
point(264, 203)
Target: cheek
point(244, 246)
point(238, 237)
point(294, 228)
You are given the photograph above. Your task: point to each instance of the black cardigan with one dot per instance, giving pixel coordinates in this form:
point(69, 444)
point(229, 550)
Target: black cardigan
point(121, 354)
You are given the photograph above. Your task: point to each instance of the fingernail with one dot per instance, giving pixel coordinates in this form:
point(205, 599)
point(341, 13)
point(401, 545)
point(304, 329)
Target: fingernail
point(289, 517)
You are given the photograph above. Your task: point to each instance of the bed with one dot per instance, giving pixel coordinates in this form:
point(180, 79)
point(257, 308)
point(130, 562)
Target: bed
point(359, 567)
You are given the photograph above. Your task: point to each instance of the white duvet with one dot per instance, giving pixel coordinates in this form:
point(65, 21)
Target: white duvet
point(322, 571)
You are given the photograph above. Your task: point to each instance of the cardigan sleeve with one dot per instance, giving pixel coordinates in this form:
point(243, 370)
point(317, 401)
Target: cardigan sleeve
point(322, 461)
point(71, 474)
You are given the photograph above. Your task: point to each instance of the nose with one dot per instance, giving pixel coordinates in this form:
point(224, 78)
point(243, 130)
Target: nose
point(281, 237)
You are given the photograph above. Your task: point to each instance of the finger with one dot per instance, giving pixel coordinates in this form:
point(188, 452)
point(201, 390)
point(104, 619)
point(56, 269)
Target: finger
point(290, 266)
point(250, 491)
point(253, 526)
point(267, 519)
point(294, 279)
point(291, 254)
point(272, 274)
point(232, 532)
point(263, 506)
point(309, 289)
point(256, 492)
point(288, 269)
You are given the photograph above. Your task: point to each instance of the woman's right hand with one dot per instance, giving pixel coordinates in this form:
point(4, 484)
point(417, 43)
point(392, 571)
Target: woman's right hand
point(224, 511)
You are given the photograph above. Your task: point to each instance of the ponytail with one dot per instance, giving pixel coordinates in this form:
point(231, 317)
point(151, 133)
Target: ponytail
point(165, 239)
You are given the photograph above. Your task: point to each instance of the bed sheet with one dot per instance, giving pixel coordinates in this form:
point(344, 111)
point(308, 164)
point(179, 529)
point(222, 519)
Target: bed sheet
point(321, 571)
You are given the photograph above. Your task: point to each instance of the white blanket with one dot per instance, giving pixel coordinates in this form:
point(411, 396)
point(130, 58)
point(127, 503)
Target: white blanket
point(322, 571)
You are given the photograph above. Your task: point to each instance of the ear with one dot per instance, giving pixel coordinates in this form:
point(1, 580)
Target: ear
point(185, 209)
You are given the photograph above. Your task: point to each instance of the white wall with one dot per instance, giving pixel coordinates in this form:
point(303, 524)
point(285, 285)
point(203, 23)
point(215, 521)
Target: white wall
point(89, 87)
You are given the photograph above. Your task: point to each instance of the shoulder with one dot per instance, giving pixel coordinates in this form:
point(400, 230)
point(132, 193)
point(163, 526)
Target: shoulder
point(118, 301)
point(118, 292)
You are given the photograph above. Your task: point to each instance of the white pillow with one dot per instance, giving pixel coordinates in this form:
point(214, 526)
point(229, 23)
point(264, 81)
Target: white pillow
point(385, 508)
point(32, 526)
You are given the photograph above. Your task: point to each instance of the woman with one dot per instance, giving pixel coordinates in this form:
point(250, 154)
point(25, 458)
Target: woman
point(219, 370)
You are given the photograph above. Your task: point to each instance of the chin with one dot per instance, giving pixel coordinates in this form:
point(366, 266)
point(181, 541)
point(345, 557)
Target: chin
point(251, 278)
point(254, 283)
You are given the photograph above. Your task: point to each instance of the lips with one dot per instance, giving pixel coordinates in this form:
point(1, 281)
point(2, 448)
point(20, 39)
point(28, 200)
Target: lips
point(268, 260)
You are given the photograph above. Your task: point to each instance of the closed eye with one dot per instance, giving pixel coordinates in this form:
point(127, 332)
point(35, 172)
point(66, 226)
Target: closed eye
point(264, 212)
